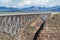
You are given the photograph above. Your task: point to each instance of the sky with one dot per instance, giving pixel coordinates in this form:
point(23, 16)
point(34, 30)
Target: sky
point(28, 3)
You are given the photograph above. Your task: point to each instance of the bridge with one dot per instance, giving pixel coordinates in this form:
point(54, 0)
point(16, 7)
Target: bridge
point(16, 22)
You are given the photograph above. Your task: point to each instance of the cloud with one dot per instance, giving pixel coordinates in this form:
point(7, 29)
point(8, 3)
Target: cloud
point(24, 3)
point(5, 1)
point(28, 3)
point(47, 3)
point(52, 3)
point(40, 2)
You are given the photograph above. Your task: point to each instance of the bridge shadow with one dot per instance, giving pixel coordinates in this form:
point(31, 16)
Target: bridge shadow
point(39, 30)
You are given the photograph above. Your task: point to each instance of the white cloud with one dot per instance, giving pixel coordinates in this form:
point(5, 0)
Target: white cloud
point(51, 4)
point(38, 2)
point(31, 2)
point(6, 1)
point(27, 3)
point(24, 3)
point(12, 6)
point(44, 2)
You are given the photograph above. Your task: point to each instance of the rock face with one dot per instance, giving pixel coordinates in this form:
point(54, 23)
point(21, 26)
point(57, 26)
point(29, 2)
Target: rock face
point(29, 32)
point(51, 29)
point(5, 36)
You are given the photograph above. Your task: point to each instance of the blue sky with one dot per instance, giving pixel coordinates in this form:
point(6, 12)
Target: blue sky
point(28, 3)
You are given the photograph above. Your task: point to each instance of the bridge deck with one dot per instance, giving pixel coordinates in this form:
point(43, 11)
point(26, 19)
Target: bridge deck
point(21, 13)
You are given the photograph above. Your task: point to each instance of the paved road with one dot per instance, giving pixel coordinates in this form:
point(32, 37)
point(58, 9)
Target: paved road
point(22, 13)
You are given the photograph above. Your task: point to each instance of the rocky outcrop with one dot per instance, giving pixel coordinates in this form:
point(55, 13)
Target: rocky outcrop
point(51, 29)
point(29, 32)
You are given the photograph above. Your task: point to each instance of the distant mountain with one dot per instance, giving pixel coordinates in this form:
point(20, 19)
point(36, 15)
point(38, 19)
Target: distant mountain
point(29, 9)
point(8, 9)
point(55, 8)
point(33, 8)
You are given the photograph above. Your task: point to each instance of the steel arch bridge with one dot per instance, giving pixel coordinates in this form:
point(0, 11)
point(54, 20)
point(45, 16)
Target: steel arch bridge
point(13, 23)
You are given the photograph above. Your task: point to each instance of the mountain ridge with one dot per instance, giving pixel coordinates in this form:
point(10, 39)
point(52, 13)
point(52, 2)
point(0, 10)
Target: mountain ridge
point(29, 9)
